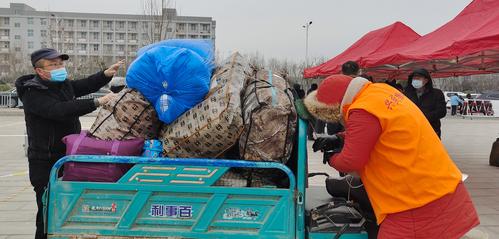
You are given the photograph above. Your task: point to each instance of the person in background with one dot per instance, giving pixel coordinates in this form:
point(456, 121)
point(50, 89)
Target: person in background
point(431, 101)
point(412, 183)
point(350, 68)
point(367, 77)
point(299, 91)
point(455, 101)
point(51, 111)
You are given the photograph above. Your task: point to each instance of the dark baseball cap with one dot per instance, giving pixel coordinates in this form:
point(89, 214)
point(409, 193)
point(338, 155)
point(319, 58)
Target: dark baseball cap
point(46, 53)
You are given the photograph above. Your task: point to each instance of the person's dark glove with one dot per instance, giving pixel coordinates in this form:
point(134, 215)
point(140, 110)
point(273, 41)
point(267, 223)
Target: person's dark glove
point(328, 154)
point(327, 143)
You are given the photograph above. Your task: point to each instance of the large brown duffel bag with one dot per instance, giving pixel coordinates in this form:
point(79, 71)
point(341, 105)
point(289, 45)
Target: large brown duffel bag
point(127, 116)
point(269, 119)
point(214, 125)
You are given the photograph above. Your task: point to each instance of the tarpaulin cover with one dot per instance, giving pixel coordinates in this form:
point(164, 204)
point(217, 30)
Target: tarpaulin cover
point(173, 75)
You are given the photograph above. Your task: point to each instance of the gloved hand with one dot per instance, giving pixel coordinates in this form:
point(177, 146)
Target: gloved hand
point(328, 143)
point(328, 154)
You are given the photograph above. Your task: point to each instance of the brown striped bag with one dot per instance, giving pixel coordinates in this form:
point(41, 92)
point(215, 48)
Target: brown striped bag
point(214, 125)
point(127, 116)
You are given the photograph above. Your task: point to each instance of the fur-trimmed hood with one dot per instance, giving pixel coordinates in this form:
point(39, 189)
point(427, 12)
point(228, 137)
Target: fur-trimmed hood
point(332, 113)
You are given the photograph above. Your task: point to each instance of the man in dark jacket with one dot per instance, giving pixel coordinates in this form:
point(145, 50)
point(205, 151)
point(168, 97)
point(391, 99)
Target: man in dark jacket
point(431, 101)
point(51, 112)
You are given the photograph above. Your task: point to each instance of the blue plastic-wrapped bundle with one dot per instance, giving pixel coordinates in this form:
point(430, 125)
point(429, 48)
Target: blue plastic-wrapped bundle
point(173, 75)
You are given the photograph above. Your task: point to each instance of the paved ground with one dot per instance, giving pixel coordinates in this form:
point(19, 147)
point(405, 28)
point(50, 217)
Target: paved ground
point(468, 141)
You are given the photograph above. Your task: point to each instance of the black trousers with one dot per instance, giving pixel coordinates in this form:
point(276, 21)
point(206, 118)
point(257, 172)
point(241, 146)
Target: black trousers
point(453, 109)
point(39, 171)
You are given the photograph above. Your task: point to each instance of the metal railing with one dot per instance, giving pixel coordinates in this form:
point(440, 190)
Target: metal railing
point(10, 99)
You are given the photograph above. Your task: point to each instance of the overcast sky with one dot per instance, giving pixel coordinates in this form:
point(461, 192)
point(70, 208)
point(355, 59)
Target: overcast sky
point(274, 27)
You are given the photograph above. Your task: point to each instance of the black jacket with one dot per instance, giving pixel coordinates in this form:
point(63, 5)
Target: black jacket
point(51, 111)
point(431, 103)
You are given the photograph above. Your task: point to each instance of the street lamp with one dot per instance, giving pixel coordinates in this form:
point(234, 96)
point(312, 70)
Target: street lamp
point(306, 26)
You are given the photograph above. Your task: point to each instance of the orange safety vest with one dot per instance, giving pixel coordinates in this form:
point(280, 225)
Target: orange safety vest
point(409, 166)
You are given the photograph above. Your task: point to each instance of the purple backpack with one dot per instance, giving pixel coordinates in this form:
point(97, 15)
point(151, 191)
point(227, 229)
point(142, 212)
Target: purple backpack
point(82, 144)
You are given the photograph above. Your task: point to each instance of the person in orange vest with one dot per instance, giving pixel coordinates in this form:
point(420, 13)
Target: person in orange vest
point(413, 185)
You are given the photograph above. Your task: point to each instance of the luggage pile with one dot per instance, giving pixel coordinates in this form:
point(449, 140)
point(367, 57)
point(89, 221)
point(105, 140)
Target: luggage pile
point(173, 98)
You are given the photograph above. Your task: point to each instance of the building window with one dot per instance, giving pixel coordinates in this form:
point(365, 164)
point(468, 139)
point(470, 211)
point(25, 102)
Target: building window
point(68, 22)
point(17, 24)
point(109, 36)
point(181, 36)
point(133, 25)
point(193, 36)
point(95, 35)
point(108, 24)
point(69, 35)
point(6, 21)
point(82, 47)
point(30, 32)
point(83, 23)
point(17, 37)
point(30, 45)
point(181, 26)
point(132, 36)
point(169, 29)
point(82, 35)
point(121, 25)
point(145, 36)
point(96, 47)
point(121, 36)
point(17, 49)
point(43, 33)
point(43, 21)
point(145, 25)
point(206, 37)
point(108, 48)
point(206, 27)
point(95, 24)
point(193, 27)
point(30, 21)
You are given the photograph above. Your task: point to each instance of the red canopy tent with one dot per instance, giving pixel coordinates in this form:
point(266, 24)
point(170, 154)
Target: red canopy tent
point(467, 45)
point(383, 39)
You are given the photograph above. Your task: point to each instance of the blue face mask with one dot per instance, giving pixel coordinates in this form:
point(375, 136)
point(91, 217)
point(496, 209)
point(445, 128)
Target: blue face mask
point(417, 84)
point(58, 75)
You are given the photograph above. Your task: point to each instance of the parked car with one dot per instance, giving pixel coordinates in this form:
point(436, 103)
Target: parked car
point(489, 95)
point(448, 94)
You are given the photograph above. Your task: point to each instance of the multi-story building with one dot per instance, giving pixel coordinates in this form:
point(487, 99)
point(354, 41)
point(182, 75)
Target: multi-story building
point(91, 39)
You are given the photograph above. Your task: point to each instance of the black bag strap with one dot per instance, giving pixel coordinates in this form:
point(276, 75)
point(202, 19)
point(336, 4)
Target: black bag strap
point(135, 121)
point(112, 112)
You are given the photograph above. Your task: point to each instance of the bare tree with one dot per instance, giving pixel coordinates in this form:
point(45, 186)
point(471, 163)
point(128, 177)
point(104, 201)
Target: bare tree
point(159, 20)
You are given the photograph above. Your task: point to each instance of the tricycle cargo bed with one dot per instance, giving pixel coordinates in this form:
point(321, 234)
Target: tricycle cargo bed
point(169, 198)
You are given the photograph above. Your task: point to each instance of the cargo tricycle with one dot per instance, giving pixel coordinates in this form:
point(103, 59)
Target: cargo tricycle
point(177, 198)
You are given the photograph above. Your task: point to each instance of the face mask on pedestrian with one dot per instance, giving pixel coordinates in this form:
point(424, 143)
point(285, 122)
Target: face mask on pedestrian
point(58, 75)
point(417, 83)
